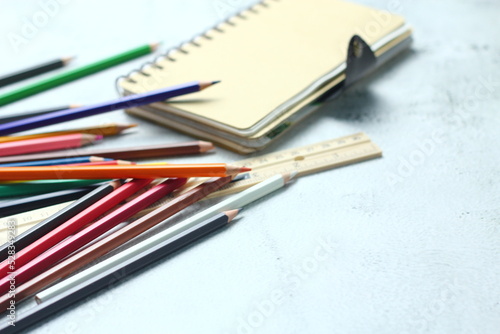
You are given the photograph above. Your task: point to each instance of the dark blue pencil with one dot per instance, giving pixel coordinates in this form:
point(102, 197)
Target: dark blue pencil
point(90, 110)
point(53, 162)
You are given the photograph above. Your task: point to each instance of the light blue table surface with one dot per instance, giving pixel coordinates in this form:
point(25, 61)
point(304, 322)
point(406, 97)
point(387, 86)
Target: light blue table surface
point(408, 243)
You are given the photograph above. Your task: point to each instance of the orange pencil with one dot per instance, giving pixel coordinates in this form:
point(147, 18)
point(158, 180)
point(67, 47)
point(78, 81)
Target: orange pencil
point(103, 130)
point(121, 172)
point(47, 144)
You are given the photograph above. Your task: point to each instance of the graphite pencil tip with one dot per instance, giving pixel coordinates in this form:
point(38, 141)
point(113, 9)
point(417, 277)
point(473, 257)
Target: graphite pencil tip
point(215, 82)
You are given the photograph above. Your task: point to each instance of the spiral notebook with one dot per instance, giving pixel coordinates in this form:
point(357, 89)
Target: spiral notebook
point(274, 60)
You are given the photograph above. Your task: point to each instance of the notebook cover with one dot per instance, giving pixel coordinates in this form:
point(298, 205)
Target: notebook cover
point(264, 60)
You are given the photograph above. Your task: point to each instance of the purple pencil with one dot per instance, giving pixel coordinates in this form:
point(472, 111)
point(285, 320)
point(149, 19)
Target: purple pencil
point(90, 110)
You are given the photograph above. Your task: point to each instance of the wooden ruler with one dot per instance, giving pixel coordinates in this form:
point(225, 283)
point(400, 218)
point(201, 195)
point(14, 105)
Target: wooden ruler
point(305, 160)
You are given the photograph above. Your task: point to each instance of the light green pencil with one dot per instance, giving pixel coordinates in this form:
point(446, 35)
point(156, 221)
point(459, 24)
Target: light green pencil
point(75, 74)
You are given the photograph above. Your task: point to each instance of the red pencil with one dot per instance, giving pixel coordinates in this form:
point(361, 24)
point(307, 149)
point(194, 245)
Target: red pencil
point(73, 225)
point(80, 239)
point(47, 144)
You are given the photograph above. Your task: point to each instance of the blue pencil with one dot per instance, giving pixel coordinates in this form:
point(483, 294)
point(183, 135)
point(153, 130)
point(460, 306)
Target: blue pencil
point(53, 162)
point(90, 110)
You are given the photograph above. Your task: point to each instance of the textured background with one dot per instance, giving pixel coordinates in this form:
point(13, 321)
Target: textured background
point(408, 243)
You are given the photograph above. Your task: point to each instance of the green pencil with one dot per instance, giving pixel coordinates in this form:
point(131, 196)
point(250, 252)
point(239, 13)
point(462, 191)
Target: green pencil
point(41, 187)
point(75, 74)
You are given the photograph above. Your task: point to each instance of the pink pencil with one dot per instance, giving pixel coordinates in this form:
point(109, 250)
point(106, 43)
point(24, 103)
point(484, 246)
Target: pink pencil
point(104, 163)
point(47, 144)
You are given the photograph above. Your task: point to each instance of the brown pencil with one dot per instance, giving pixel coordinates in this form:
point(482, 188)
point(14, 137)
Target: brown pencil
point(103, 130)
point(123, 153)
point(114, 240)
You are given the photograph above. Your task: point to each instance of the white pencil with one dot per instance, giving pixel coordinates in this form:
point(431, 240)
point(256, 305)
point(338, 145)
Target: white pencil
point(238, 200)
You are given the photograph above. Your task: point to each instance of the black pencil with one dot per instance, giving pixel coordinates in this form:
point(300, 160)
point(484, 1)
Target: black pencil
point(42, 228)
point(33, 71)
point(12, 207)
point(23, 115)
point(115, 274)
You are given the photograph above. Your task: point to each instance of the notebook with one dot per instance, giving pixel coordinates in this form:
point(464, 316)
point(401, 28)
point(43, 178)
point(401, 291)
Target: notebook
point(274, 61)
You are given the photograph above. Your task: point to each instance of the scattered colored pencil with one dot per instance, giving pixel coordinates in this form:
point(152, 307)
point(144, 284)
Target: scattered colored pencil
point(50, 306)
point(33, 71)
point(129, 171)
point(58, 252)
point(126, 153)
point(109, 243)
point(74, 224)
point(9, 190)
point(103, 130)
point(104, 163)
point(103, 107)
point(54, 162)
point(140, 255)
point(8, 208)
point(49, 224)
point(18, 116)
point(47, 144)
point(74, 74)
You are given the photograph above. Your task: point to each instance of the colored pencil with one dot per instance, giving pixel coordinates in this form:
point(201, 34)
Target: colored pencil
point(143, 253)
point(74, 74)
point(58, 252)
point(105, 163)
point(109, 243)
point(55, 162)
point(18, 116)
point(95, 109)
point(12, 207)
point(9, 190)
point(33, 71)
point(47, 144)
point(112, 276)
point(49, 224)
point(129, 171)
point(74, 224)
point(103, 130)
point(126, 153)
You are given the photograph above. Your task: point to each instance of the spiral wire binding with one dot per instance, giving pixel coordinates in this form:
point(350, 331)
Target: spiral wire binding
point(219, 27)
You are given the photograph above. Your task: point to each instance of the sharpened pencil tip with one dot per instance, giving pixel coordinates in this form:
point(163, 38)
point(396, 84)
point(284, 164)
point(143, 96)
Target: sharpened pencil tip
point(289, 176)
point(98, 137)
point(231, 214)
point(205, 146)
point(215, 82)
point(67, 60)
point(245, 169)
point(154, 46)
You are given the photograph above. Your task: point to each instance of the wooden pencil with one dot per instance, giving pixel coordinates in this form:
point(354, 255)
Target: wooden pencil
point(9, 190)
point(12, 207)
point(26, 114)
point(34, 71)
point(124, 171)
point(125, 153)
point(74, 74)
point(103, 130)
point(39, 230)
point(89, 233)
point(74, 224)
point(48, 144)
point(114, 240)
point(112, 276)
point(55, 162)
point(103, 107)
